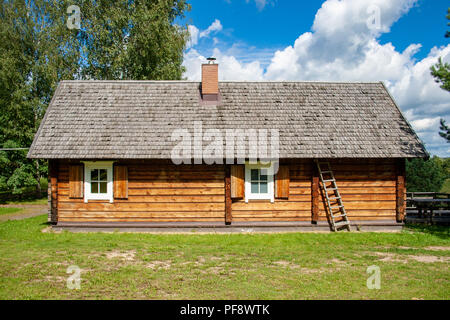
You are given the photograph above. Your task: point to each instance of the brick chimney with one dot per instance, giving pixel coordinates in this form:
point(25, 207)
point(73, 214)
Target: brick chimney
point(210, 80)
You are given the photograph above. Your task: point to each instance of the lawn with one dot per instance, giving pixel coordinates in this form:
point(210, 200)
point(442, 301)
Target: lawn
point(414, 264)
point(7, 210)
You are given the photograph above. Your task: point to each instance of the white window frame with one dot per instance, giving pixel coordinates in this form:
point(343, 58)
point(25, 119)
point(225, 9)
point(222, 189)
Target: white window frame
point(90, 165)
point(270, 195)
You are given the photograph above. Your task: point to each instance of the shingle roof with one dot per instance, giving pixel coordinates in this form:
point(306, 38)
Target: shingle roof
point(135, 119)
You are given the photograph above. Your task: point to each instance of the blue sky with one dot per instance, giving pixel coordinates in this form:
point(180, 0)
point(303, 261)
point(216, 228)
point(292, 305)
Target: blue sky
point(395, 41)
point(279, 22)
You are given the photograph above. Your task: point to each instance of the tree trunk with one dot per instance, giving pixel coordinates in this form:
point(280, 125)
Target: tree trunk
point(38, 179)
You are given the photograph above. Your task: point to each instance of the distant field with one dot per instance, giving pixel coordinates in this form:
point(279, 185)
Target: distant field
point(29, 202)
point(414, 264)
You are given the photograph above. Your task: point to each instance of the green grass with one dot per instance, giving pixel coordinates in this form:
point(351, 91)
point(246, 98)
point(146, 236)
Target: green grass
point(9, 210)
point(33, 264)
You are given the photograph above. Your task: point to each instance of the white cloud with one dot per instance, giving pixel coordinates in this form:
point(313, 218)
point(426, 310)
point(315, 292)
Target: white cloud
point(216, 26)
point(260, 4)
point(230, 67)
point(426, 124)
point(194, 34)
point(193, 61)
point(342, 47)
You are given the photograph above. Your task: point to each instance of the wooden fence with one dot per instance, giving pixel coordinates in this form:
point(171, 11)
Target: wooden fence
point(428, 207)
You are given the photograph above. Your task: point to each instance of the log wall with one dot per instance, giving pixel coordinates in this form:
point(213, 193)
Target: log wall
point(367, 187)
point(156, 192)
point(162, 192)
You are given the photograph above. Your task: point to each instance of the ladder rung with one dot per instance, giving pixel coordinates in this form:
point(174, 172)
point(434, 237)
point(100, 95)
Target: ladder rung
point(334, 198)
point(341, 223)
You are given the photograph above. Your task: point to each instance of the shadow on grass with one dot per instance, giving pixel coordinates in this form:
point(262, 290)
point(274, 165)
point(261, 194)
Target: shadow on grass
point(439, 231)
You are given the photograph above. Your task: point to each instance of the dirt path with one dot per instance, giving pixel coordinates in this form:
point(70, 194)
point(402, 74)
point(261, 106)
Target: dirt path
point(29, 210)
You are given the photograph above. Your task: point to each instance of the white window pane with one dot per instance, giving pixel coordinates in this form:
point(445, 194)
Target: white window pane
point(94, 187)
point(255, 187)
point(263, 187)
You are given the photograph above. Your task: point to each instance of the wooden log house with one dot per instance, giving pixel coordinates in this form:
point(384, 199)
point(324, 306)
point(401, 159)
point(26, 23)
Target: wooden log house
point(109, 145)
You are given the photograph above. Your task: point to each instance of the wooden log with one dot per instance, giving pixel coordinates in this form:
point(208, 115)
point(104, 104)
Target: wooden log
point(154, 199)
point(400, 191)
point(53, 175)
point(228, 201)
point(199, 219)
point(142, 214)
point(166, 184)
point(315, 196)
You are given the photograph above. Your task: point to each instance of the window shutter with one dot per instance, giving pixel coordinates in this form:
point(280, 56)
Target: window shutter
point(282, 183)
point(120, 182)
point(76, 181)
point(237, 182)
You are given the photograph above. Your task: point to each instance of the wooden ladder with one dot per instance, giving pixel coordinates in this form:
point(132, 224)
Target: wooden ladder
point(338, 217)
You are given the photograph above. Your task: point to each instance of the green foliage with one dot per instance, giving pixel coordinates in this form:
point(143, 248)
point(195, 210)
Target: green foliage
point(441, 71)
point(118, 40)
point(135, 40)
point(426, 175)
point(445, 131)
point(16, 171)
point(441, 74)
point(446, 186)
point(447, 34)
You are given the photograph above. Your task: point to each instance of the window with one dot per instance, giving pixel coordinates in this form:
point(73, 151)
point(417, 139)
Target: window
point(258, 182)
point(98, 181)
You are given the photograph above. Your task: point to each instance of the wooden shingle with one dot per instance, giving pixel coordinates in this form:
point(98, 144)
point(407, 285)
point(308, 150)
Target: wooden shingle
point(136, 119)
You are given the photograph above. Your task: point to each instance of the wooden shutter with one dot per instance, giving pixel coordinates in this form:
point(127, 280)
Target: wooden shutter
point(120, 182)
point(282, 183)
point(237, 182)
point(76, 182)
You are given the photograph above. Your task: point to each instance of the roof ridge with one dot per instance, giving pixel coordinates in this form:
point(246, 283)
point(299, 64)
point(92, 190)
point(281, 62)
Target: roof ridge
point(220, 81)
